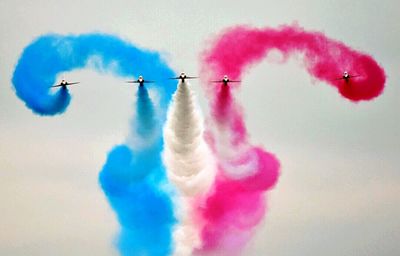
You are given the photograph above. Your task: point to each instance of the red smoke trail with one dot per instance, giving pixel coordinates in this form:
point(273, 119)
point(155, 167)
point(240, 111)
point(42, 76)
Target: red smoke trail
point(236, 203)
point(324, 58)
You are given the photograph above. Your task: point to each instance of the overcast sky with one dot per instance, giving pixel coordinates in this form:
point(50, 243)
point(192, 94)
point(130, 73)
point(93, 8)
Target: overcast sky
point(339, 192)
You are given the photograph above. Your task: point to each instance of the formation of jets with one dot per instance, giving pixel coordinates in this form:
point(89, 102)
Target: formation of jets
point(225, 80)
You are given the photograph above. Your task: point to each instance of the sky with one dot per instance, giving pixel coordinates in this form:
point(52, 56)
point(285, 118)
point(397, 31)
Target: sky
point(339, 189)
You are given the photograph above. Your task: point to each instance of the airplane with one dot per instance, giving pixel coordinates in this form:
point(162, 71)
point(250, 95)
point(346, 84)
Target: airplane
point(183, 76)
point(140, 81)
point(64, 84)
point(346, 76)
point(226, 80)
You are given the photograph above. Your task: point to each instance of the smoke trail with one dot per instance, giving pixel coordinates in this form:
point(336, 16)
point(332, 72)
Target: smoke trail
point(186, 153)
point(50, 55)
point(189, 163)
point(235, 204)
point(325, 59)
point(134, 181)
point(133, 178)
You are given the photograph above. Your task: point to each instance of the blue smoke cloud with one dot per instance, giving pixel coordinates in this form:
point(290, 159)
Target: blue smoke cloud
point(133, 178)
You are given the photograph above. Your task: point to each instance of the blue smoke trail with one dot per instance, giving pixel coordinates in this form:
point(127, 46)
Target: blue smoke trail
point(133, 178)
point(50, 55)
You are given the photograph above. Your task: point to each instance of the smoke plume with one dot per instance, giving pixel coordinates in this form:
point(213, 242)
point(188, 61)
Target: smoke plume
point(236, 203)
point(189, 163)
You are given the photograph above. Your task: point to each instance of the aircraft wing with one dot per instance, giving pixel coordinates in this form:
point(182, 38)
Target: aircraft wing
point(73, 83)
point(222, 81)
point(191, 77)
point(174, 77)
point(60, 85)
point(149, 81)
point(132, 82)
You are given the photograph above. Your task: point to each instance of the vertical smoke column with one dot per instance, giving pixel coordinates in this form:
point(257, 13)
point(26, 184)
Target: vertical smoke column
point(189, 163)
point(133, 178)
point(235, 204)
point(134, 181)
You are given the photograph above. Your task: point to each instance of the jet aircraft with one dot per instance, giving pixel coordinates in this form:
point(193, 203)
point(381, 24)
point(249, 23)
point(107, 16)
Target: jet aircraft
point(183, 76)
point(140, 81)
point(346, 77)
point(64, 84)
point(226, 80)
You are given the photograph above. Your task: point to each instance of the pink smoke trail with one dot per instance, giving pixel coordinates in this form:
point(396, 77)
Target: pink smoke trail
point(236, 203)
point(324, 58)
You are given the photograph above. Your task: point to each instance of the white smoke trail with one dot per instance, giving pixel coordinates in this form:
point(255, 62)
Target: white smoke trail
point(236, 159)
point(188, 161)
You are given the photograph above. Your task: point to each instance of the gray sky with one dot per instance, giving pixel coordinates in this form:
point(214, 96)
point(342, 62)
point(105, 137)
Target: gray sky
point(339, 192)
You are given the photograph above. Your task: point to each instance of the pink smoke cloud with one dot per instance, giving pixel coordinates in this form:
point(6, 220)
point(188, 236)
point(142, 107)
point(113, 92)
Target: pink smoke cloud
point(236, 202)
